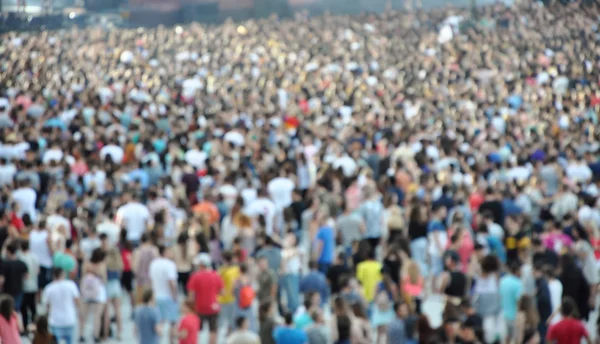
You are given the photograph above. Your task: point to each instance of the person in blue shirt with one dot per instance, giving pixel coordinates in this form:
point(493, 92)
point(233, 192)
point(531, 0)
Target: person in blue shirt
point(315, 281)
point(288, 334)
point(510, 290)
point(140, 175)
point(325, 247)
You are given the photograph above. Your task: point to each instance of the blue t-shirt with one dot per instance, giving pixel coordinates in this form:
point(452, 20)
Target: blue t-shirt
point(146, 319)
point(326, 236)
point(286, 335)
point(511, 289)
point(435, 225)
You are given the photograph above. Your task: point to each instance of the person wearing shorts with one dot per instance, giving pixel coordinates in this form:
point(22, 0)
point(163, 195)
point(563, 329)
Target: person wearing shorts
point(204, 287)
point(163, 275)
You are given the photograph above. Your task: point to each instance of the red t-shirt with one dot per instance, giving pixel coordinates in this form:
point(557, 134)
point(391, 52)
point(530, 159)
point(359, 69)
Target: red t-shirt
point(126, 257)
point(191, 324)
point(206, 286)
point(567, 331)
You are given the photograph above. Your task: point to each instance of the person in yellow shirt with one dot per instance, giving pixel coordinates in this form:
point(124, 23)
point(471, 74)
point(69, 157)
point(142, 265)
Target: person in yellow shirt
point(230, 273)
point(368, 273)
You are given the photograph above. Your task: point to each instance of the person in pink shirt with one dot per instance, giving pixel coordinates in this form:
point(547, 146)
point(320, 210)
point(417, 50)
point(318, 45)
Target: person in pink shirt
point(556, 240)
point(465, 246)
point(9, 322)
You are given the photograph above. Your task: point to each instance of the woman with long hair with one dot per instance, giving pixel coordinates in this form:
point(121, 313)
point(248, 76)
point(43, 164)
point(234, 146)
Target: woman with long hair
point(9, 322)
point(341, 322)
point(93, 292)
point(574, 284)
point(412, 286)
point(183, 255)
point(527, 321)
point(417, 233)
point(361, 329)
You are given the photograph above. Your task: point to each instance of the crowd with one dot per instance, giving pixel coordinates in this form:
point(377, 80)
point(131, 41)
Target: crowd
point(314, 180)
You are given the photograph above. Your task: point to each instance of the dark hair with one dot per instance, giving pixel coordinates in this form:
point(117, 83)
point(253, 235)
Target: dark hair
point(182, 241)
point(24, 245)
point(239, 321)
point(568, 307)
point(227, 256)
point(313, 265)
point(7, 307)
point(12, 247)
point(162, 249)
point(41, 325)
point(144, 238)
point(98, 255)
point(289, 319)
point(147, 296)
point(57, 273)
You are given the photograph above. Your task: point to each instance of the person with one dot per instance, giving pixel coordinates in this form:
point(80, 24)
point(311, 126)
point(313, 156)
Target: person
point(183, 255)
point(317, 332)
point(114, 267)
point(368, 273)
point(93, 292)
point(287, 334)
point(134, 216)
point(204, 287)
point(189, 324)
point(142, 258)
point(9, 322)
point(324, 249)
point(267, 323)
point(337, 272)
point(14, 273)
point(267, 282)
point(163, 274)
point(569, 330)
point(42, 333)
point(41, 246)
point(437, 240)
point(372, 213)
point(361, 332)
point(242, 334)
point(543, 300)
point(30, 285)
point(527, 321)
point(127, 273)
point(510, 289)
point(147, 320)
point(574, 284)
point(229, 273)
point(315, 281)
point(341, 322)
point(62, 299)
point(396, 331)
point(291, 266)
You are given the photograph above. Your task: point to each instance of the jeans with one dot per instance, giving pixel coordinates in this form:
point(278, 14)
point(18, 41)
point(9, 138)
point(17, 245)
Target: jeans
point(418, 251)
point(18, 300)
point(63, 333)
point(290, 283)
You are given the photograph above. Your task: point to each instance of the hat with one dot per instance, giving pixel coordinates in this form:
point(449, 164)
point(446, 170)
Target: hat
point(203, 259)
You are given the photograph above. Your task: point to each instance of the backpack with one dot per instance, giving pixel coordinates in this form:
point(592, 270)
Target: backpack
point(90, 287)
point(246, 297)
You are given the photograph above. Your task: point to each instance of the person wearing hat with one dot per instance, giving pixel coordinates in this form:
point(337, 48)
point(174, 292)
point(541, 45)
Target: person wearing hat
point(204, 287)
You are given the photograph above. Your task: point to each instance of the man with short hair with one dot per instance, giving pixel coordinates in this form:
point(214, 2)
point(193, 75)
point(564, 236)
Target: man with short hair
point(204, 287)
point(397, 328)
point(569, 330)
point(242, 335)
point(62, 298)
point(13, 273)
point(163, 274)
point(288, 334)
point(134, 217)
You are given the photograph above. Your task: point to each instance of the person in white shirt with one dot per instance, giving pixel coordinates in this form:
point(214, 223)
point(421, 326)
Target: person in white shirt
point(280, 190)
point(58, 220)
point(26, 197)
point(62, 299)
point(113, 150)
point(110, 228)
point(8, 170)
point(265, 207)
point(134, 217)
point(243, 334)
point(88, 244)
point(163, 274)
point(30, 284)
point(40, 244)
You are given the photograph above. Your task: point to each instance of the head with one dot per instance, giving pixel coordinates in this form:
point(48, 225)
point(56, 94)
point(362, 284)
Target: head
point(41, 325)
point(165, 252)
point(11, 249)
point(58, 274)
point(242, 323)
point(7, 307)
point(148, 297)
point(401, 310)
point(289, 319)
point(568, 307)
point(263, 264)
point(98, 256)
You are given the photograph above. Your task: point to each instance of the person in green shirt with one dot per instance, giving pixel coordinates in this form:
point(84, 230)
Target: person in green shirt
point(64, 260)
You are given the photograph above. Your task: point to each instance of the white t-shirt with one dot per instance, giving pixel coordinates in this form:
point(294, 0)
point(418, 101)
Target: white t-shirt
point(133, 216)
point(60, 296)
point(196, 158)
point(97, 178)
point(26, 198)
point(556, 290)
point(116, 153)
point(52, 155)
point(38, 245)
point(162, 272)
point(88, 245)
point(265, 207)
point(280, 190)
point(579, 172)
point(111, 230)
point(54, 222)
point(7, 174)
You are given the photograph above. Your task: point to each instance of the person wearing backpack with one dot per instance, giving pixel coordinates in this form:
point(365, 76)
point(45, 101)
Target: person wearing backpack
point(244, 298)
point(229, 273)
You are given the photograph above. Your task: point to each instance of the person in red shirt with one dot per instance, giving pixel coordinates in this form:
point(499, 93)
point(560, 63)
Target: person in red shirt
point(204, 286)
point(569, 330)
point(189, 325)
point(127, 274)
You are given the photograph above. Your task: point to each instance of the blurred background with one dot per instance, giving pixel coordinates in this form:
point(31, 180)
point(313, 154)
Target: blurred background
point(47, 14)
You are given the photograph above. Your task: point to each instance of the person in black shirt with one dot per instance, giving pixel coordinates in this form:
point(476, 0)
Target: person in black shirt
point(493, 204)
point(542, 298)
point(13, 272)
point(543, 256)
point(336, 272)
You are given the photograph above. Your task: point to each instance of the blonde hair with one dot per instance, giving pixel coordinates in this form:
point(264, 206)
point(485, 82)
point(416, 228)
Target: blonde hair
point(413, 271)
